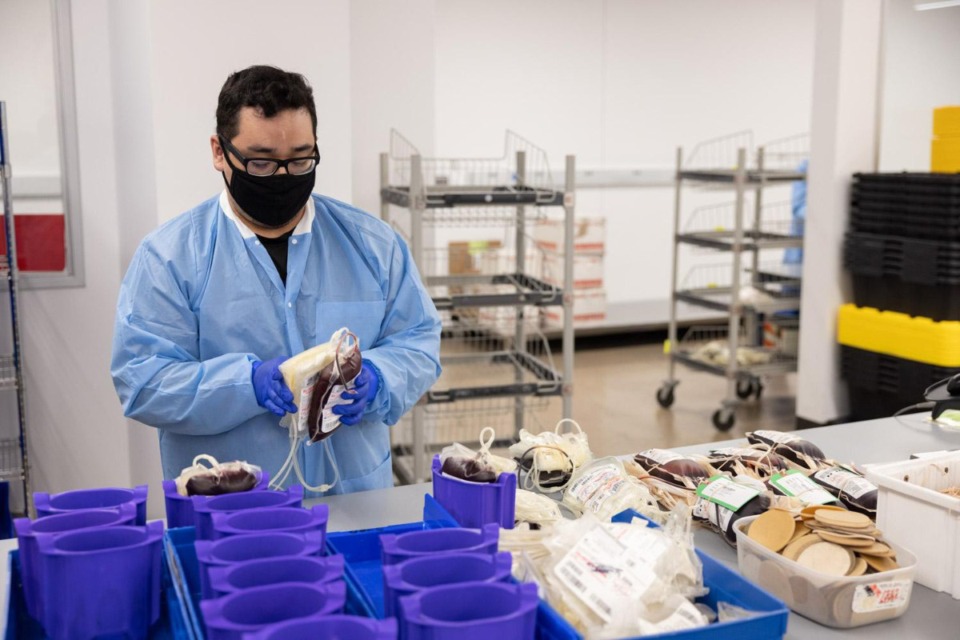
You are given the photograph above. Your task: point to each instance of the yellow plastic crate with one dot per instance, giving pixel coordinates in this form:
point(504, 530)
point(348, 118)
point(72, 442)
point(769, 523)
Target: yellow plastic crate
point(945, 155)
point(946, 122)
point(899, 335)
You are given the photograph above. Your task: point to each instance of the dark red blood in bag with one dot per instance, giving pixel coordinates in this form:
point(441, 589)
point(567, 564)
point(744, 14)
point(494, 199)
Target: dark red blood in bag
point(468, 469)
point(327, 379)
point(215, 484)
point(670, 467)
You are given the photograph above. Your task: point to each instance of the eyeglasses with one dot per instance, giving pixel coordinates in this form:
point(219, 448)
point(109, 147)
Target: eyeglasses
point(263, 167)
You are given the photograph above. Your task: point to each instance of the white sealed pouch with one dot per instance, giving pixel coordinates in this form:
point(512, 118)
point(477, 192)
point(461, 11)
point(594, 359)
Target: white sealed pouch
point(604, 489)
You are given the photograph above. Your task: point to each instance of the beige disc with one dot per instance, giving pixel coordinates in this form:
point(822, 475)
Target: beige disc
point(776, 581)
point(772, 529)
point(847, 539)
point(828, 558)
point(843, 519)
point(859, 568)
point(807, 512)
point(881, 564)
point(799, 531)
point(798, 546)
point(877, 549)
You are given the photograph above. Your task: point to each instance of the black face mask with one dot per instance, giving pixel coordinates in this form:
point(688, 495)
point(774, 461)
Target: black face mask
point(271, 201)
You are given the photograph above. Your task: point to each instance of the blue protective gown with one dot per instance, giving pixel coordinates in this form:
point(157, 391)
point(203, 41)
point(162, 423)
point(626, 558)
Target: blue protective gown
point(202, 300)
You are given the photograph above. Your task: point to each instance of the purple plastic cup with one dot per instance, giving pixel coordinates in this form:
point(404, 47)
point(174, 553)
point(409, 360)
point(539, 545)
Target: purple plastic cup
point(335, 627)
point(236, 549)
point(473, 611)
point(397, 548)
point(28, 530)
point(204, 508)
point(179, 508)
point(425, 572)
point(279, 519)
point(230, 617)
point(474, 504)
point(257, 573)
point(105, 582)
point(106, 498)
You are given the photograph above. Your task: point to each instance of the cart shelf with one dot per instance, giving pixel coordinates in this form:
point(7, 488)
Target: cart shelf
point(449, 292)
point(720, 299)
point(725, 240)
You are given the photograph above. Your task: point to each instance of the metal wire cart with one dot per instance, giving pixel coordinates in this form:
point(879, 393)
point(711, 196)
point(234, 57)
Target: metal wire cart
point(466, 222)
point(13, 446)
point(737, 350)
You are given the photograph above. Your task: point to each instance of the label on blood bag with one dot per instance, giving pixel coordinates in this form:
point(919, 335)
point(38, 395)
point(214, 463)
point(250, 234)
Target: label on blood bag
point(587, 485)
point(796, 485)
point(776, 436)
point(713, 513)
point(604, 571)
point(660, 456)
point(845, 481)
point(331, 420)
point(726, 493)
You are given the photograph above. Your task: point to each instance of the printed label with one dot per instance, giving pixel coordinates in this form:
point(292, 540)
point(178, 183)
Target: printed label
point(604, 493)
point(593, 481)
point(660, 456)
point(726, 493)
point(602, 572)
point(331, 420)
point(712, 513)
point(776, 436)
point(845, 481)
point(796, 485)
point(877, 596)
point(306, 395)
point(686, 616)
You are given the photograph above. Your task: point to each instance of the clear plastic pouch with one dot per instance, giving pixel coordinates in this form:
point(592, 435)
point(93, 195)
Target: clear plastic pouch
point(550, 458)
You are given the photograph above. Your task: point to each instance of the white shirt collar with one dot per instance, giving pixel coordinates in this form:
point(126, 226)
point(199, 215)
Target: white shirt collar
point(304, 226)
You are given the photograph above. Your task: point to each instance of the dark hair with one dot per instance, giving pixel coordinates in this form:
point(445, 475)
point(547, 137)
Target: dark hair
point(269, 89)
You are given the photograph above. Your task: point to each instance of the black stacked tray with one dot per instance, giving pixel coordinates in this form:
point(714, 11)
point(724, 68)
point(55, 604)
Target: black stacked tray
point(903, 248)
point(880, 385)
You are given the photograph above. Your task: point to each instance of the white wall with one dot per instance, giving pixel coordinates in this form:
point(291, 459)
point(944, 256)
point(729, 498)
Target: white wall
point(620, 83)
point(915, 80)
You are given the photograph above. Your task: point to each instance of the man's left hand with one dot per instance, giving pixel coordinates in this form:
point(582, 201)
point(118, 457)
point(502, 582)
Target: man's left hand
point(364, 390)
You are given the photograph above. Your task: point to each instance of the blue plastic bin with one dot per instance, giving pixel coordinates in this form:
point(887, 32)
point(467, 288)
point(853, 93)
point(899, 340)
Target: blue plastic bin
point(28, 530)
point(474, 504)
point(257, 573)
point(417, 574)
point(474, 611)
point(230, 617)
point(179, 509)
point(104, 581)
point(282, 519)
point(235, 549)
point(48, 505)
point(400, 547)
point(205, 507)
point(335, 627)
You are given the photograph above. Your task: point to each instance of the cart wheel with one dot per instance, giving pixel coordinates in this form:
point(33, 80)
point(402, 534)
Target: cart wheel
point(745, 388)
point(723, 419)
point(758, 391)
point(665, 396)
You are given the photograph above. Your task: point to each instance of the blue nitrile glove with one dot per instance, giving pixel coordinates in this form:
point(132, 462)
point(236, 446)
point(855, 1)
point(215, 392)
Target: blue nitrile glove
point(269, 387)
point(364, 390)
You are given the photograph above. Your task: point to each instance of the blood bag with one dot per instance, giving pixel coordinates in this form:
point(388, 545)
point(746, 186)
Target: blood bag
point(217, 478)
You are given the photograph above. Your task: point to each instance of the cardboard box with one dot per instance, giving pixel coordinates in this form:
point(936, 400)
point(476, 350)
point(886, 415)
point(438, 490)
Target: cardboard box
point(590, 235)
point(587, 270)
point(589, 308)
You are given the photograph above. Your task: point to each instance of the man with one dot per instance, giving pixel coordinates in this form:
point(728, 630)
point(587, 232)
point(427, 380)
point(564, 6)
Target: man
point(217, 298)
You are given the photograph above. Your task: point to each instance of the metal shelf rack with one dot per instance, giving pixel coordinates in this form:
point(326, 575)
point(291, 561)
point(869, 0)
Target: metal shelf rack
point(13, 447)
point(497, 366)
point(721, 164)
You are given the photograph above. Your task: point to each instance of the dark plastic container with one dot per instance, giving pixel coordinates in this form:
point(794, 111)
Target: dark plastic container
point(282, 519)
point(417, 574)
point(105, 582)
point(397, 548)
point(179, 508)
point(880, 385)
point(335, 627)
point(233, 616)
point(475, 611)
point(258, 573)
point(106, 498)
point(474, 504)
point(236, 549)
point(28, 530)
point(204, 508)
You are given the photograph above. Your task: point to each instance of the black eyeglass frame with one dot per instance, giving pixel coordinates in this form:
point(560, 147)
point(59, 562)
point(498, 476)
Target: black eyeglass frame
point(281, 164)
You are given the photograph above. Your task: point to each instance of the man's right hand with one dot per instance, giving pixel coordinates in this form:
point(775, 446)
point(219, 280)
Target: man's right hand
point(269, 387)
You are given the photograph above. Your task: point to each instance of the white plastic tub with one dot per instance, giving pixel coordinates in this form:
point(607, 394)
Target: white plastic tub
point(912, 511)
point(841, 602)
